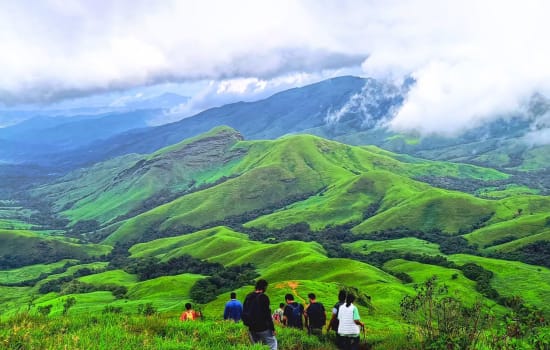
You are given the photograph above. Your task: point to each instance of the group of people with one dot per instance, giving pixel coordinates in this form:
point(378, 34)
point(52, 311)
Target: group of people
point(256, 314)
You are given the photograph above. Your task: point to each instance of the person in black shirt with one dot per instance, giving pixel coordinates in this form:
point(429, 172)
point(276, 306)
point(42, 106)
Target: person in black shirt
point(257, 316)
point(292, 315)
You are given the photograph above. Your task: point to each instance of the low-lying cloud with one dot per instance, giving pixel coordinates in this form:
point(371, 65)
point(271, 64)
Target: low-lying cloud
point(473, 61)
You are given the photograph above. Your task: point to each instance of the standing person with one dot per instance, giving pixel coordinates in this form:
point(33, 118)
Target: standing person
point(350, 325)
point(257, 316)
point(189, 314)
point(333, 323)
point(315, 316)
point(233, 309)
point(292, 315)
point(278, 314)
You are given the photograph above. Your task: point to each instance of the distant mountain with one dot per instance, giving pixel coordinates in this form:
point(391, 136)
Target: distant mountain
point(35, 138)
point(347, 109)
point(322, 105)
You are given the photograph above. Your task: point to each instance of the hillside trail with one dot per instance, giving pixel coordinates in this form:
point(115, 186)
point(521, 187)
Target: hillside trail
point(293, 285)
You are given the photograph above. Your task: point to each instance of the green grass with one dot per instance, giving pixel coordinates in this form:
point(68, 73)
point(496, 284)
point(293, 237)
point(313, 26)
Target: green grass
point(118, 277)
point(403, 245)
point(519, 243)
point(512, 278)
point(508, 191)
point(304, 263)
point(30, 272)
point(427, 210)
point(459, 287)
point(24, 245)
point(115, 187)
point(125, 332)
point(264, 175)
point(519, 227)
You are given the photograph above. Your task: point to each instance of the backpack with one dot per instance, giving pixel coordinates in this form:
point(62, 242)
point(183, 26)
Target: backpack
point(334, 322)
point(251, 310)
point(316, 315)
point(189, 315)
point(278, 316)
point(296, 315)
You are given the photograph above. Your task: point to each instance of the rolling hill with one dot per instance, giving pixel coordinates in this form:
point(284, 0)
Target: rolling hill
point(305, 212)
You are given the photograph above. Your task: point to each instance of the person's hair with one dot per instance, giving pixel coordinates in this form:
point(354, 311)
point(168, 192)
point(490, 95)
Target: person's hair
point(188, 306)
point(289, 297)
point(350, 299)
point(233, 295)
point(281, 305)
point(342, 295)
point(261, 284)
point(311, 295)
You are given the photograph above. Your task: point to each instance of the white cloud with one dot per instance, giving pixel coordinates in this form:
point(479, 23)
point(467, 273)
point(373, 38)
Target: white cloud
point(472, 59)
point(52, 50)
point(218, 93)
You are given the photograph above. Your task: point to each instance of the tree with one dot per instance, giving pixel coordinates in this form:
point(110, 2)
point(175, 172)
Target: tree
point(69, 302)
point(442, 321)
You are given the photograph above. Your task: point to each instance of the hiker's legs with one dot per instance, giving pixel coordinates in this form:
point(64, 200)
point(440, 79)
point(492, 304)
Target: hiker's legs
point(354, 343)
point(265, 337)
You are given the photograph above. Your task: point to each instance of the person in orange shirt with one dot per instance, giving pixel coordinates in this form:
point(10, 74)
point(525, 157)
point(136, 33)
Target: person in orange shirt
point(189, 314)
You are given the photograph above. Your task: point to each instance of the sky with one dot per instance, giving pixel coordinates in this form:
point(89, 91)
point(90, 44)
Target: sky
point(472, 60)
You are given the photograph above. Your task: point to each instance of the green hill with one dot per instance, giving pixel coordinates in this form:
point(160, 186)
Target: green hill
point(21, 247)
point(310, 215)
point(133, 183)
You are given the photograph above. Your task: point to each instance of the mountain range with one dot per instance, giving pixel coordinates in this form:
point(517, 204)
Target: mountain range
point(271, 186)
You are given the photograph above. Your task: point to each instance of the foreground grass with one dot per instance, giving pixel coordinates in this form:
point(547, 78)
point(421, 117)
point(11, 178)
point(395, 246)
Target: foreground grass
point(121, 332)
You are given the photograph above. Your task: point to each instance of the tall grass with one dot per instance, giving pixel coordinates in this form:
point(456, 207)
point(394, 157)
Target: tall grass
point(129, 332)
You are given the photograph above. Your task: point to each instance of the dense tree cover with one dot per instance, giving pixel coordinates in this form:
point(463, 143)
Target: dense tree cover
point(42, 276)
point(463, 185)
point(221, 279)
point(45, 252)
point(57, 284)
point(151, 267)
point(228, 279)
point(536, 253)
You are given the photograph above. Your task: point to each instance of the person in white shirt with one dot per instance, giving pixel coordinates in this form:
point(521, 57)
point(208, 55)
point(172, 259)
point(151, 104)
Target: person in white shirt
point(350, 325)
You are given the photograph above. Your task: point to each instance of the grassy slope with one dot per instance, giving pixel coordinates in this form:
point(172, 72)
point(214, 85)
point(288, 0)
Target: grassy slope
point(29, 243)
point(523, 226)
point(283, 264)
point(113, 188)
point(30, 272)
point(511, 278)
point(461, 287)
point(404, 245)
point(273, 172)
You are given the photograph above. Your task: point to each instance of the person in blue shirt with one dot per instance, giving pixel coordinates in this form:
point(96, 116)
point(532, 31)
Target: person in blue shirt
point(233, 309)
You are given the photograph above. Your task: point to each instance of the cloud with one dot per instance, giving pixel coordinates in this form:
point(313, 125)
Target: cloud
point(473, 61)
point(219, 93)
point(54, 50)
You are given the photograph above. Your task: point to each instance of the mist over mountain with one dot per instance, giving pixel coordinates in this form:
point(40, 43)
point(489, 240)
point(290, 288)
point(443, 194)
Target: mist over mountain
point(349, 109)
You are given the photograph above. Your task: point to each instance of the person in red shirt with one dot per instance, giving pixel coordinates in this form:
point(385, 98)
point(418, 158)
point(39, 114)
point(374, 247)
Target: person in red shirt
point(189, 314)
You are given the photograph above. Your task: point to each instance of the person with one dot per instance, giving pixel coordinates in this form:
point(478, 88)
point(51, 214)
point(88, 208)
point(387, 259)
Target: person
point(292, 314)
point(350, 325)
point(189, 314)
point(257, 316)
point(233, 308)
point(333, 323)
point(278, 314)
point(315, 316)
